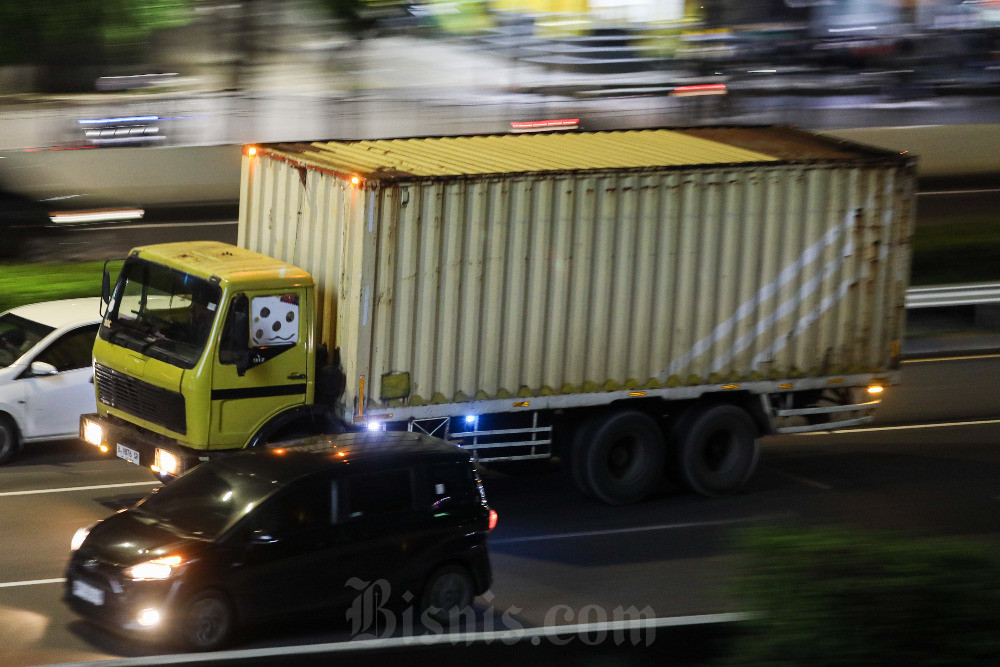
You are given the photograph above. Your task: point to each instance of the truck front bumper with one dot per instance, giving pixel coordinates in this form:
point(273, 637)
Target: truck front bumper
point(136, 445)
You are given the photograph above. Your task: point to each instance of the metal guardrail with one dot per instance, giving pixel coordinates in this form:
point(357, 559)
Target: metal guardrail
point(952, 295)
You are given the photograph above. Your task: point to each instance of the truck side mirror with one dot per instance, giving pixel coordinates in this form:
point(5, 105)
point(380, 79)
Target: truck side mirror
point(106, 287)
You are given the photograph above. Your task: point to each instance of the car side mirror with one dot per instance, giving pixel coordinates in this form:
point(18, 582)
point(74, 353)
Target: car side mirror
point(43, 368)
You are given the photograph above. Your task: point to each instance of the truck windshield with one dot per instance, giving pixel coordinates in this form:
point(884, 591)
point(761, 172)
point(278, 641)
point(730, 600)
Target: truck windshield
point(163, 313)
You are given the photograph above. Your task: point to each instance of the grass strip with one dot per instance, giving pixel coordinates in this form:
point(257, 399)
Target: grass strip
point(46, 281)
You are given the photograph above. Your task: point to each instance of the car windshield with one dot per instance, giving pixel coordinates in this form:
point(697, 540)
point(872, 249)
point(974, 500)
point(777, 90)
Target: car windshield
point(163, 313)
point(17, 336)
point(205, 500)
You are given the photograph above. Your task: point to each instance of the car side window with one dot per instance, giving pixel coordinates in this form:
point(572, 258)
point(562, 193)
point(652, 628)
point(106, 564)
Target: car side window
point(305, 506)
point(71, 351)
point(452, 482)
point(378, 493)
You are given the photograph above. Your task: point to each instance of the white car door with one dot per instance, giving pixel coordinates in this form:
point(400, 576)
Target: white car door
point(55, 402)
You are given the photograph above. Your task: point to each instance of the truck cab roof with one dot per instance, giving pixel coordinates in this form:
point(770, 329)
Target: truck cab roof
point(228, 263)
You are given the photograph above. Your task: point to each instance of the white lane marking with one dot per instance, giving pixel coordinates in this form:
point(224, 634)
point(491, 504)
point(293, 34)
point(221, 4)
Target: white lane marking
point(156, 225)
point(907, 427)
point(34, 582)
point(67, 489)
point(507, 637)
point(982, 191)
point(618, 531)
point(962, 358)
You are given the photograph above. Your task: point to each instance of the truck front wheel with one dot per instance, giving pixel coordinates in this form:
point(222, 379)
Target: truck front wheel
point(618, 457)
point(716, 449)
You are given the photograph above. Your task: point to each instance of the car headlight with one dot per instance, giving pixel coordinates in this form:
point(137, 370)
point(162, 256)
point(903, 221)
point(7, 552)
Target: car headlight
point(78, 538)
point(160, 568)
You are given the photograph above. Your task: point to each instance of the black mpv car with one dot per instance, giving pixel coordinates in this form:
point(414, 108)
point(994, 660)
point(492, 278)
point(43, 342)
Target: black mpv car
point(295, 527)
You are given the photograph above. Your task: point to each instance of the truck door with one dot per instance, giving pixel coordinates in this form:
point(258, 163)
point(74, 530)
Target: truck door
point(275, 377)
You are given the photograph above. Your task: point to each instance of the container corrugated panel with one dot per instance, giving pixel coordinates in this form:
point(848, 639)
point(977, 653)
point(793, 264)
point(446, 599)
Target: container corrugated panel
point(490, 285)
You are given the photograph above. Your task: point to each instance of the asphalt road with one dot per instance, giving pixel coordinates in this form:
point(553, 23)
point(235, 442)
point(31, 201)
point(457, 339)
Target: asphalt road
point(559, 558)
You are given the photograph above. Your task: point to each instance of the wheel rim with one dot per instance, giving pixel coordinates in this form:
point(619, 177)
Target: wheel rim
point(208, 621)
point(624, 458)
point(719, 451)
point(450, 591)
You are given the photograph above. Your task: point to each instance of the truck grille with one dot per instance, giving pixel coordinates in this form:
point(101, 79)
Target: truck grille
point(140, 399)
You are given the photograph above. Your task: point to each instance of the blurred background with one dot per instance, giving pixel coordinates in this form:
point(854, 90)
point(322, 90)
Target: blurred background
point(162, 93)
point(197, 72)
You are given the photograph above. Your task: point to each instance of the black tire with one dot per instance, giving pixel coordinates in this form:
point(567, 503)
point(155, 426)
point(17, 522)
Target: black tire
point(582, 436)
point(716, 449)
point(207, 622)
point(620, 456)
point(8, 440)
point(447, 593)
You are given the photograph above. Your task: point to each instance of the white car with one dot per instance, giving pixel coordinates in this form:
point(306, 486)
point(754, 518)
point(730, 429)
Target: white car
point(46, 371)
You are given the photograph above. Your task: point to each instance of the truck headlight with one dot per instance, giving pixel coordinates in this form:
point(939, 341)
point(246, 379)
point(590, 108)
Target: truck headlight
point(166, 463)
point(93, 433)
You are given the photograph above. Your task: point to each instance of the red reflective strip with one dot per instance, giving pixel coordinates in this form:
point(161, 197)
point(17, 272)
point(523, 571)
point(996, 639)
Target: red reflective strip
point(701, 88)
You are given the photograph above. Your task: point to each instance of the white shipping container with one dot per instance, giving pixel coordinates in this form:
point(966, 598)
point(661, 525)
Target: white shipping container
point(558, 267)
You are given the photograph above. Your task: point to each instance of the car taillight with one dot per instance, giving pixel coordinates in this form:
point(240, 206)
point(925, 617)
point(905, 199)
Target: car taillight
point(493, 519)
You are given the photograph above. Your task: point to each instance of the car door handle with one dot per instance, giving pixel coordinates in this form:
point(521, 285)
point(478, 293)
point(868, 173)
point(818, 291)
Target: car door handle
point(297, 376)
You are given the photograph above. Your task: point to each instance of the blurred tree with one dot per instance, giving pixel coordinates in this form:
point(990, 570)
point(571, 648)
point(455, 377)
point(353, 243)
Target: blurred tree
point(71, 40)
point(352, 15)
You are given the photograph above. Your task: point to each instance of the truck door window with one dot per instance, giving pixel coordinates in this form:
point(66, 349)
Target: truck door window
point(275, 320)
point(272, 322)
point(238, 316)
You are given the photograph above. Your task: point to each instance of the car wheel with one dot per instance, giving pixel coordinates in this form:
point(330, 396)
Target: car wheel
point(8, 440)
point(208, 622)
point(448, 592)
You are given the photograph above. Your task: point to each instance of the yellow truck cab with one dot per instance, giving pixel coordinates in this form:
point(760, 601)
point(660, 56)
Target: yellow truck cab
point(181, 374)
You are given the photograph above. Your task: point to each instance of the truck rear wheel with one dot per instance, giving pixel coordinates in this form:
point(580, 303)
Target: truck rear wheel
point(618, 457)
point(716, 449)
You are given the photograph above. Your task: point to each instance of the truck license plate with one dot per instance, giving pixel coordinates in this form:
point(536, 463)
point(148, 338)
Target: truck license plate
point(127, 453)
point(91, 594)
